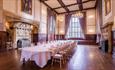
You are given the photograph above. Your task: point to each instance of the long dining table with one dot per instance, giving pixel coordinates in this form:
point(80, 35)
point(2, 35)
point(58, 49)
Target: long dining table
point(40, 53)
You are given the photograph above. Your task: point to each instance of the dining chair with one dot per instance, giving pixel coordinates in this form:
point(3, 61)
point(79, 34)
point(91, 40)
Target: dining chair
point(57, 57)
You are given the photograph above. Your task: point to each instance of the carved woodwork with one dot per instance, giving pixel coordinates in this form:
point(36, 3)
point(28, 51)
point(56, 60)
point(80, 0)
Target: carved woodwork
point(21, 27)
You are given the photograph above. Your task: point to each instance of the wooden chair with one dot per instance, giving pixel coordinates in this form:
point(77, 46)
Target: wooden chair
point(58, 58)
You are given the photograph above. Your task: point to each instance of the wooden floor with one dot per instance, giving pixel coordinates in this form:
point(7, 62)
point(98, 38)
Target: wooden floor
point(86, 57)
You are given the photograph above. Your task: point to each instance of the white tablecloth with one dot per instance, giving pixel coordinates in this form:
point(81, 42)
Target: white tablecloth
point(40, 55)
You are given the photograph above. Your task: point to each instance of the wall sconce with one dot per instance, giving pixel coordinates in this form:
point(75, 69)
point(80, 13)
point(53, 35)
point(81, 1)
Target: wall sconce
point(31, 26)
point(61, 32)
point(91, 16)
point(91, 31)
point(7, 25)
point(61, 18)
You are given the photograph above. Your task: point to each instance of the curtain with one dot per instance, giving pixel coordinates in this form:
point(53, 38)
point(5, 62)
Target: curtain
point(67, 22)
point(83, 23)
point(51, 20)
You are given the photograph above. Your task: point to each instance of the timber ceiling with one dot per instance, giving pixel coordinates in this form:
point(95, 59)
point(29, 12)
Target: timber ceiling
point(67, 6)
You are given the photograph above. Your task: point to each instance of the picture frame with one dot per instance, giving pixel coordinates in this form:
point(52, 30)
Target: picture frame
point(26, 6)
point(107, 7)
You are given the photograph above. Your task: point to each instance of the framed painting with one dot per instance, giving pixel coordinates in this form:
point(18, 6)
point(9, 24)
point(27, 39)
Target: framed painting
point(107, 7)
point(26, 6)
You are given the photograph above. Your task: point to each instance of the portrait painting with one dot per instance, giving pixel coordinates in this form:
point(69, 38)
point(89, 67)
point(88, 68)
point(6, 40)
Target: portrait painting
point(26, 6)
point(107, 7)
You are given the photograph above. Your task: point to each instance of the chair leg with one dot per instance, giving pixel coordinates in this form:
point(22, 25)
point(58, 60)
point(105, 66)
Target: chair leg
point(60, 62)
point(63, 60)
point(23, 62)
point(52, 61)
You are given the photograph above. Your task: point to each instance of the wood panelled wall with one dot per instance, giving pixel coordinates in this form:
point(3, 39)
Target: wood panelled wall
point(1, 16)
point(3, 40)
point(113, 34)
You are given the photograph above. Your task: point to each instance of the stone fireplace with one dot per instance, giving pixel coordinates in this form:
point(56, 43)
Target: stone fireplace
point(23, 43)
point(107, 43)
point(22, 35)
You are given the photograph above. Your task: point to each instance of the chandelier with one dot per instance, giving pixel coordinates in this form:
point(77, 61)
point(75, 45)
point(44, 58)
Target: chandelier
point(79, 14)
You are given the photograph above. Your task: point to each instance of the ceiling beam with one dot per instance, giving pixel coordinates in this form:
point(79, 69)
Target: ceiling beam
point(77, 10)
point(43, 1)
point(63, 5)
point(74, 4)
point(80, 5)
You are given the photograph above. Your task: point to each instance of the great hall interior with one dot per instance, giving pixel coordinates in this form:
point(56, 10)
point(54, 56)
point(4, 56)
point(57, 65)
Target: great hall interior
point(57, 35)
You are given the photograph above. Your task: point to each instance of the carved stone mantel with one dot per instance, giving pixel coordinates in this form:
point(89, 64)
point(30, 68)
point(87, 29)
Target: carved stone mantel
point(107, 35)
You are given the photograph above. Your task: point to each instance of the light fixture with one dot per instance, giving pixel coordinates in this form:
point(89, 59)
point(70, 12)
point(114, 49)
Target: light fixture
point(7, 25)
point(91, 16)
point(79, 14)
point(61, 18)
point(61, 32)
point(91, 30)
point(31, 26)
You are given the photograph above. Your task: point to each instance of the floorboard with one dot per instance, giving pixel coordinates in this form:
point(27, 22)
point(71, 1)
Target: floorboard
point(86, 57)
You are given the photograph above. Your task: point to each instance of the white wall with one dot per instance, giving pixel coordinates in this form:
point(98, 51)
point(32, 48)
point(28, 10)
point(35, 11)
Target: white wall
point(60, 24)
point(39, 12)
point(43, 19)
point(10, 5)
point(91, 21)
point(14, 6)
